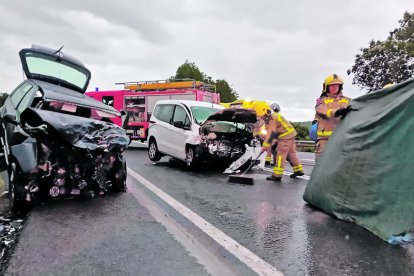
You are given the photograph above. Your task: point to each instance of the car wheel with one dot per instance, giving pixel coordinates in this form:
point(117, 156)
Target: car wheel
point(153, 153)
point(119, 180)
point(16, 202)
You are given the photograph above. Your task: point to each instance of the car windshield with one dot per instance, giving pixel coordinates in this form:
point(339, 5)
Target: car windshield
point(48, 66)
point(201, 113)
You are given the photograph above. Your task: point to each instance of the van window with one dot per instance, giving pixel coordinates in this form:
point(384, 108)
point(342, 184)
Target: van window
point(164, 112)
point(180, 115)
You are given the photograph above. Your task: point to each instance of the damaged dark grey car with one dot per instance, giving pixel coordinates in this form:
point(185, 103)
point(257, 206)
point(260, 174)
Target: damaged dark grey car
point(58, 142)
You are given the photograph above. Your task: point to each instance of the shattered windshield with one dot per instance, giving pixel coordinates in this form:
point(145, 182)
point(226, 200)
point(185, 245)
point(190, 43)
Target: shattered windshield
point(201, 113)
point(48, 66)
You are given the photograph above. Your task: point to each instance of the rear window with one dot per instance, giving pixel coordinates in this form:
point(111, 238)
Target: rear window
point(163, 112)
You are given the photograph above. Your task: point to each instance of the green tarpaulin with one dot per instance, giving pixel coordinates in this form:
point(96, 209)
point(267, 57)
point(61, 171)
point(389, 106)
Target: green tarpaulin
point(366, 174)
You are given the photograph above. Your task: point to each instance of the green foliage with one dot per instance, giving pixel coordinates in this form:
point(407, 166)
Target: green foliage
point(189, 70)
point(302, 129)
point(386, 61)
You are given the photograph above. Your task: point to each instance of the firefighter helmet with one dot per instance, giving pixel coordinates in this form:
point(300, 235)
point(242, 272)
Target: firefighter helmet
point(332, 79)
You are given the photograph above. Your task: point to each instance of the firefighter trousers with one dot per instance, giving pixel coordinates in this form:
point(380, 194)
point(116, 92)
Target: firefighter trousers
point(320, 146)
point(286, 150)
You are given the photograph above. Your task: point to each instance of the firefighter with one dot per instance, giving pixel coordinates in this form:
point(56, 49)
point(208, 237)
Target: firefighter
point(279, 128)
point(330, 108)
point(274, 107)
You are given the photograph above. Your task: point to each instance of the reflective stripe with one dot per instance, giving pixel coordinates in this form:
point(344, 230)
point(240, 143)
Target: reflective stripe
point(328, 113)
point(297, 167)
point(268, 158)
point(328, 101)
point(324, 133)
point(266, 144)
point(344, 101)
point(286, 133)
point(288, 129)
point(278, 171)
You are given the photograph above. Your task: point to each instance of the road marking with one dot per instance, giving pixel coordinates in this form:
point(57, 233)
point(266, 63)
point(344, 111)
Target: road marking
point(312, 160)
point(212, 263)
point(306, 177)
point(255, 263)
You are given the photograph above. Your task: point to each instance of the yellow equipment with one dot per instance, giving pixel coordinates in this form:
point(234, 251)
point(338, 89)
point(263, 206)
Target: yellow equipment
point(261, 107)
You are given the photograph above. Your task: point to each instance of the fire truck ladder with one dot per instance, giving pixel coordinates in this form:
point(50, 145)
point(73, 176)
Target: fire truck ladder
point(159, 85)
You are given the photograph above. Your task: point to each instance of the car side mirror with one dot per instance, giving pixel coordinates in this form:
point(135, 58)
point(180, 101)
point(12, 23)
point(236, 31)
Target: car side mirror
point(125, 118)
point(9, 118)
point(179, 124)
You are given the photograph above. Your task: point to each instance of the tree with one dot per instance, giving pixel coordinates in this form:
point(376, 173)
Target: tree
point(227, 94)
point(386, 61)
point(189, 70)
point(302, 130)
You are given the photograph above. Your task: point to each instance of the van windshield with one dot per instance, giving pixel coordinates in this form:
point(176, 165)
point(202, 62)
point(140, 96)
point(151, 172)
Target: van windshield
point(201, 113)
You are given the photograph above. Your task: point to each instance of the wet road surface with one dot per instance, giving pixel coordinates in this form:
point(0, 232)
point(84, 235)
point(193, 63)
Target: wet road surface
point(143, 231)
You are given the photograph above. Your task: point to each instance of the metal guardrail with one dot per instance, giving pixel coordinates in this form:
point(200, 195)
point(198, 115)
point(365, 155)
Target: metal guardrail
point(305, 146)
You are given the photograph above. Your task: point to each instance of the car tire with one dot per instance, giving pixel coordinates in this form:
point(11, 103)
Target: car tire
point(153, 153)
point(16, 201)
point(119, 183)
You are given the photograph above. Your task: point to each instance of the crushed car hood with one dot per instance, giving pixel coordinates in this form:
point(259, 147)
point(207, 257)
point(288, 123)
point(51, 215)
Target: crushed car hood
point(80, 132)
point(234, 115)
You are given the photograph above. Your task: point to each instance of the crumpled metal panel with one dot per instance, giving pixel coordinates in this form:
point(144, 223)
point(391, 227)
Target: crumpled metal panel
point(80, 132)
point(235, 115)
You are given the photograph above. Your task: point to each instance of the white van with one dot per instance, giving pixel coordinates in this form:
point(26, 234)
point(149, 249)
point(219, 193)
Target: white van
point(194, 131)
point(174, 128)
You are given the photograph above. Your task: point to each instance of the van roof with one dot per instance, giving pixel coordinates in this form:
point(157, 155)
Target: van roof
point(190, 103)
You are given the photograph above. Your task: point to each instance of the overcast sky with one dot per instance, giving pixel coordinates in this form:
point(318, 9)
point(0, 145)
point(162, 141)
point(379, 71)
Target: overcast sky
point(267, 50)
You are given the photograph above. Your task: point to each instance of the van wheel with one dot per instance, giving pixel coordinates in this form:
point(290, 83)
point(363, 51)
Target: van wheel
point(153, 153)
point(190, 157)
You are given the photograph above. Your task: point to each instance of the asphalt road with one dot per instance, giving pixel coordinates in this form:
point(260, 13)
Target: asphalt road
point(173, 221)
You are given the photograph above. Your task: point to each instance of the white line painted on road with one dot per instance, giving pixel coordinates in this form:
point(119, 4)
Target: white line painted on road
point(212, 263)
point(312, 160)
point(255, 263)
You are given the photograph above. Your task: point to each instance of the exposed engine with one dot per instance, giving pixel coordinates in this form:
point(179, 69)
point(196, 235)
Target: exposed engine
point(73, 157)
point(68, 171)
point(226, 139)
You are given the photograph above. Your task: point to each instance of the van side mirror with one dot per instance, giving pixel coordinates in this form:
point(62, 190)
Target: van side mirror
point(179, 124)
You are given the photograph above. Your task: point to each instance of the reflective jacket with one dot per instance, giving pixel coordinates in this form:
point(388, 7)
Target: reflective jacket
point(326, 106)
point(278, 128)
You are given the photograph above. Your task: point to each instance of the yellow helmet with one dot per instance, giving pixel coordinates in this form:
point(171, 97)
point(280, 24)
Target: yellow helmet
point(332, 79)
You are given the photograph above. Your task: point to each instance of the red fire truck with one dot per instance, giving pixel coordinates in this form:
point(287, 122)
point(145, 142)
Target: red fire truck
point(139, 98)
